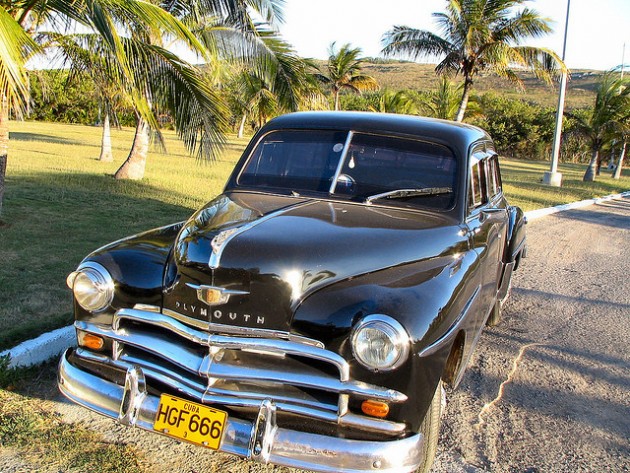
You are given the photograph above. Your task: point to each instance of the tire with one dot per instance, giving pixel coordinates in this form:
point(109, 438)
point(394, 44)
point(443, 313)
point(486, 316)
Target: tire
point(430, 429)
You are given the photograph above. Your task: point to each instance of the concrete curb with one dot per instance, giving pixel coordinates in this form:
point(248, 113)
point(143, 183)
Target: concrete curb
point(49, 345)
point(534, 214)
point(42, 348)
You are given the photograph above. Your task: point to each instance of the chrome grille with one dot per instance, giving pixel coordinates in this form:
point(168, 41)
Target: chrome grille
point(298, 375)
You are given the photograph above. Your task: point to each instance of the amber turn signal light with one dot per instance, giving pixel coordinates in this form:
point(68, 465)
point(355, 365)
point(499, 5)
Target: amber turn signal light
point(91, 341)
point(375, 408)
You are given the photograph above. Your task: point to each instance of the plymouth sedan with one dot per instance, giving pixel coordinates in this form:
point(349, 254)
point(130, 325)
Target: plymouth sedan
point(310, 315)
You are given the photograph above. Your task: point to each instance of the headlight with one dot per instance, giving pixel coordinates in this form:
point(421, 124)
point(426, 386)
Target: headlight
point(92, 285)
point(380, 343)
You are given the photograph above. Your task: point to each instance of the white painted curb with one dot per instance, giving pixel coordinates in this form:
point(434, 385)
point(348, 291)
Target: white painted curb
point(42, 348)
point(54, 343)
point(533, 214)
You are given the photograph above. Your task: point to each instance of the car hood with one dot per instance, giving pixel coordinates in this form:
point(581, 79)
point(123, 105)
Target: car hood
point(268, 253)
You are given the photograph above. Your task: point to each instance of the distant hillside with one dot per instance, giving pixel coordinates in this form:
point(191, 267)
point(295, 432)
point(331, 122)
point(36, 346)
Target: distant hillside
point(408, 75)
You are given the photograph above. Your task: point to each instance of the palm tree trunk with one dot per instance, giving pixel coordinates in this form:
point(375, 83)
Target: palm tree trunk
point(617, 173)
point(464, 102)
point(4, 144)
point(336, 94)
point(591, 171)
point(106, 141)
point(241, 128)
point(133, 167)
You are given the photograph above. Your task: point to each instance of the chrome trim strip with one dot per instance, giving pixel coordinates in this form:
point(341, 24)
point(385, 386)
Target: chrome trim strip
point(224, 237)
point(147, 308)
point(235, 330)
point(342, 160)
point(452, 330)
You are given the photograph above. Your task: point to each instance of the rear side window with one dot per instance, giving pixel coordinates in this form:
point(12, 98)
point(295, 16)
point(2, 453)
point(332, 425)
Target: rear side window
point(494, 176)
point(477, 195)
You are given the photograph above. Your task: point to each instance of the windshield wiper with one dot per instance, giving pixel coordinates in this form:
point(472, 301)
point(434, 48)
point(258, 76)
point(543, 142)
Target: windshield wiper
point(402, 193)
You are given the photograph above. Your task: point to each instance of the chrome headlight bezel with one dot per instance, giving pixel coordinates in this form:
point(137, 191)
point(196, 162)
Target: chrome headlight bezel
point(92, 285)
point(394, 334)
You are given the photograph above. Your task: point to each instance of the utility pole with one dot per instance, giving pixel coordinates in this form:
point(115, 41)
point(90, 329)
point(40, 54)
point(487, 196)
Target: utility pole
point(553, 177)
point(617, 173)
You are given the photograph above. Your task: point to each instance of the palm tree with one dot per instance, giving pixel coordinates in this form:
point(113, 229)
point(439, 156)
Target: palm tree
point(388, 101)
point(478, 35)
point(609, 119)
point(227, 29)
point(19, 20)
point(619, 165)
point(344, 72)
point(287, 83)
point(444, 102)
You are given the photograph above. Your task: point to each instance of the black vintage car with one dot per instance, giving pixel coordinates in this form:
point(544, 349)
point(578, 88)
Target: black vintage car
point(310, 314)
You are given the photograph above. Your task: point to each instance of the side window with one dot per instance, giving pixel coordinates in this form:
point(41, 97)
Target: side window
point(497, 173)
point(478, 194)
point(494, 176)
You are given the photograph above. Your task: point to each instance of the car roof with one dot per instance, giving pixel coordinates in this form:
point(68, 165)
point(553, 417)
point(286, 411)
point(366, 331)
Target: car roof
point(454, 134)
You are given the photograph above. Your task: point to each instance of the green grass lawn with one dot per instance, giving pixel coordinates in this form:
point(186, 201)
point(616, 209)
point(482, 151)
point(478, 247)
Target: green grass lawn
point(61, 203)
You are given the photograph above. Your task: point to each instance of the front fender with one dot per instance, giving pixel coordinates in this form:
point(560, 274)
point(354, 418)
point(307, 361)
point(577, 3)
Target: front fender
point(137, 265)
point(428, 298)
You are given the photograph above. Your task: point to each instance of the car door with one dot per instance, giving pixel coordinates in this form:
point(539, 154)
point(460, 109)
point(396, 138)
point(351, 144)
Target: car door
point(486, 222)
point(497, 212)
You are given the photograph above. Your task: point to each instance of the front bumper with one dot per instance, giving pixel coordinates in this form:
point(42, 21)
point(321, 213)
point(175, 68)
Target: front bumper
point(261, 440)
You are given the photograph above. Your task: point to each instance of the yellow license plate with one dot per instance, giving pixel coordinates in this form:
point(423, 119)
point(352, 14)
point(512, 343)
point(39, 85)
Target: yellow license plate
point(190, 421)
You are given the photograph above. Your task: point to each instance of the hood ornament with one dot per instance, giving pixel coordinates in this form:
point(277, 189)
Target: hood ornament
point(211, 295)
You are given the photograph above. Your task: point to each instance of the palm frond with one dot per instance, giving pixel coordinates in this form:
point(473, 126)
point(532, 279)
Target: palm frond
point(413, 43)
point(451, 65)
point(16, 47)
point(181, 90)
point(525, 24)
point(545, 63)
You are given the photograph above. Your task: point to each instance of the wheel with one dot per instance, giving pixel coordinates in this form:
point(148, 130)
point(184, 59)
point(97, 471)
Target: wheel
point(430, 429)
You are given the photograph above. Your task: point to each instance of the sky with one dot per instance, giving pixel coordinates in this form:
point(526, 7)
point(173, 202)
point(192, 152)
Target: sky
point(596, 33)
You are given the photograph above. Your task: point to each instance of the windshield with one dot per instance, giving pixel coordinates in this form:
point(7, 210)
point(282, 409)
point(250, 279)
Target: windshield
point(354, 166)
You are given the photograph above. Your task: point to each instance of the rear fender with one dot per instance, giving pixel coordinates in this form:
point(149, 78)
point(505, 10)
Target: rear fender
point(515, 247)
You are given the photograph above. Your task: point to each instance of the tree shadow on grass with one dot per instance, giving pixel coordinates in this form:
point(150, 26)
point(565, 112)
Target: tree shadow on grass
point(24, 136)
point(54, 222)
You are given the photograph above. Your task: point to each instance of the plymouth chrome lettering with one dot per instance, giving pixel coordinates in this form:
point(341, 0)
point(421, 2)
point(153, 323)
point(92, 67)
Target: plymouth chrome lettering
point(219, 315)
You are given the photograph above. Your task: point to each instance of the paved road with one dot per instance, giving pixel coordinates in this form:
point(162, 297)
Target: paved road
point(548, 390)
point(563, 347)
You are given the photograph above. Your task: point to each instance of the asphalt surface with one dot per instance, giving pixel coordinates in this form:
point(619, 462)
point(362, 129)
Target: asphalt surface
point(548, 390)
